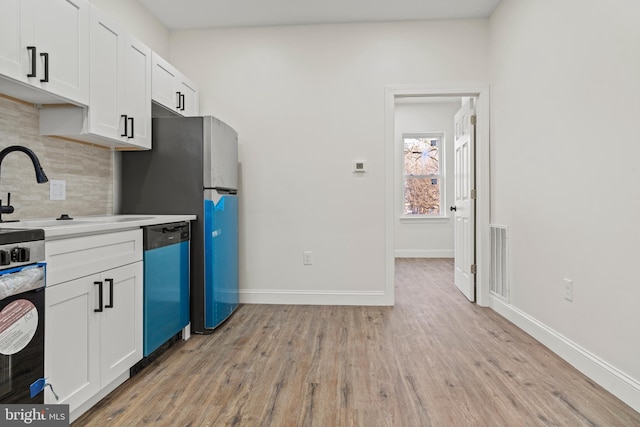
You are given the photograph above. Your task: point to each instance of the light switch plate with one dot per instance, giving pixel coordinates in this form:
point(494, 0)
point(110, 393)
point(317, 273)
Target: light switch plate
point(568, 289)
point(57, 189)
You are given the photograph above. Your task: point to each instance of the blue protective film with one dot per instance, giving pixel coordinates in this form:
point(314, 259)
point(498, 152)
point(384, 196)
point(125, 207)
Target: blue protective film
point(166, 294)
point(221, 259)
point(37, 386)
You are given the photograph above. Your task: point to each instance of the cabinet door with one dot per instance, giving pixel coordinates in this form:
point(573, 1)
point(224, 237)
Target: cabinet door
point(121, 321)
point(163, 89)
point(137, 91)
point(16, 28)
point(62, 32)
point(190, 97)
point(72, 341)
point(105, 92)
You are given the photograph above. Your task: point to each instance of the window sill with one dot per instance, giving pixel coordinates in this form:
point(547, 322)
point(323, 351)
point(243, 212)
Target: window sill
point(424, 219)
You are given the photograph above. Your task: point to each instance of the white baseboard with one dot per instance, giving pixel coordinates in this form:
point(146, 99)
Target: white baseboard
point(423, 253)
point(297, 297)
point(607, 376)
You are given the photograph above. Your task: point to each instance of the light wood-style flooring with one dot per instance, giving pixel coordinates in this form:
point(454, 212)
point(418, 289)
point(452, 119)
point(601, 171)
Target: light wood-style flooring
point(432, 360)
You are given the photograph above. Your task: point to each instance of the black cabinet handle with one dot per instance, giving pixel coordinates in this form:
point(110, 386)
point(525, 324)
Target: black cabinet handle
point(126, 133)
point(453, 208)
point(131, 135)
point(46, 67)
point(182, 101)
point(99, 297)
point(179, 99)
point(32, 50)
point(110, 305)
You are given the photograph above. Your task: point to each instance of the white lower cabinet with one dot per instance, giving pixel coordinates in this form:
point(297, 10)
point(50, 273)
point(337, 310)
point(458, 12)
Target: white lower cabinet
point(72, 342)
point(121, 321)
point(94, 322)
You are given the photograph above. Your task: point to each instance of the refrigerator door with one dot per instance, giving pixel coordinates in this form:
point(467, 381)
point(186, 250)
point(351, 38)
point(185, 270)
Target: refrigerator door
point(220, 154)
point(221, 258)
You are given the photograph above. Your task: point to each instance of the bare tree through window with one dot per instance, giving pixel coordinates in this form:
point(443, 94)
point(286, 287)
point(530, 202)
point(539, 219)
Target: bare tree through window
point(422, 175)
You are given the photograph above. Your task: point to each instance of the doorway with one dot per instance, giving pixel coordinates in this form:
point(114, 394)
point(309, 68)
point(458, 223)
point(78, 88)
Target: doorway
point(401, 94)
point(424, 176)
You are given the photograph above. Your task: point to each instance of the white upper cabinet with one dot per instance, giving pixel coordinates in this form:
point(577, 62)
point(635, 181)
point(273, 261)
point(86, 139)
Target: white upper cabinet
point(137, 94)
point(172, 89)
point(13, 53)
point(120, 99)
point(106, 73)
point(163, 86)
point(44, 46)
point(119, 112)
point(188, 97)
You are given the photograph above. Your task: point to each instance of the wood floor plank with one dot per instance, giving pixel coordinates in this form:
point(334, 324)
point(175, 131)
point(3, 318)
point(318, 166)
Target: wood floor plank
point(432, 360)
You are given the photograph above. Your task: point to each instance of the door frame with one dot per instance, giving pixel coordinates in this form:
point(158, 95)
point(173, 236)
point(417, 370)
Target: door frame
point(481, 92)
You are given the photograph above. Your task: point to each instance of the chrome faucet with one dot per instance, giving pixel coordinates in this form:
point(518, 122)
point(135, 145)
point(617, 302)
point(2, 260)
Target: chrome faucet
point(41, 178)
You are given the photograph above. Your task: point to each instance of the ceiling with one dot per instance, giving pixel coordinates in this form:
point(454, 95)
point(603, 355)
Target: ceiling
point(192, 14)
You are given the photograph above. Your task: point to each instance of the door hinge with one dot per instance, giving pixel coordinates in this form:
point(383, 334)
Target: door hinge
point(474, 194)
point(473, 120)
point(474, 268)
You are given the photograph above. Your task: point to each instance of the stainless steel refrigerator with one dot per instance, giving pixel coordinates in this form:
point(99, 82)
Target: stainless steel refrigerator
point(192, 168)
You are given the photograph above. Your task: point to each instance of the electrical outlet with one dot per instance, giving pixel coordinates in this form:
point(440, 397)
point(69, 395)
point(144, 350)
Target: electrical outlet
point(306, 258)
point(568, 289)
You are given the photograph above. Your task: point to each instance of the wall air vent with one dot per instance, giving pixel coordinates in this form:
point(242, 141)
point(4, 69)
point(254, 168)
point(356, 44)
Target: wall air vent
point(499, 268)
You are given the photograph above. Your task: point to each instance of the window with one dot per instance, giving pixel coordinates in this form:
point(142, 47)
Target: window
point(423, 175)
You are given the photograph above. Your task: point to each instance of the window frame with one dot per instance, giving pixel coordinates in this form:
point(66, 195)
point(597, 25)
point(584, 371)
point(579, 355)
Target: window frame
point(441, 136)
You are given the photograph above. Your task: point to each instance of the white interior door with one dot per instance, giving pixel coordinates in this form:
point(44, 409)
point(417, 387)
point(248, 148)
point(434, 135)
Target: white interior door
point(464, 207)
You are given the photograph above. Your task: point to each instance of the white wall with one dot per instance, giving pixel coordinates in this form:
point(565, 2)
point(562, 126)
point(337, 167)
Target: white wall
point(306, 102)
point(564, 107)
point(427, 238)
point(139, 22)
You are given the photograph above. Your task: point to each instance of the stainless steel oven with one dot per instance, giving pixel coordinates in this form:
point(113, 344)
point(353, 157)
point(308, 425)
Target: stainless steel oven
point(22, 305)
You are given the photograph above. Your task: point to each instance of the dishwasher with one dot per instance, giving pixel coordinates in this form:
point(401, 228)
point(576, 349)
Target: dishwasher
point(166, 283)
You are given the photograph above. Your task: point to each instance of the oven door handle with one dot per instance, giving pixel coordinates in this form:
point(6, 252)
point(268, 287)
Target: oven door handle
point(100, 301)
point(110, 305)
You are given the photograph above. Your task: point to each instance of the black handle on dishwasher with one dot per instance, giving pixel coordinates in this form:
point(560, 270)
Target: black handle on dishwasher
point(32, 50)
point(46, 67)
point(100, 301)
point(110, 305)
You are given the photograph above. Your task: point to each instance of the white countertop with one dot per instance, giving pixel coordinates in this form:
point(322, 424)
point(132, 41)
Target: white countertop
point(83, 225)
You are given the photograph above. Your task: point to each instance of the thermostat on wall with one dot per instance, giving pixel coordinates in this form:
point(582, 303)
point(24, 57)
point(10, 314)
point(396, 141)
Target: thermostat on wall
point(359, 166)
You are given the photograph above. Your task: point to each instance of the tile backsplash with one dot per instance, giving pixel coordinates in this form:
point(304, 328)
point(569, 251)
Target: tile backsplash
point(87, 169)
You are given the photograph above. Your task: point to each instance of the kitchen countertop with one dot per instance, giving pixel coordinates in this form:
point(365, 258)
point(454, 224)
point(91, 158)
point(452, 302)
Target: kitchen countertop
point(86, 225)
